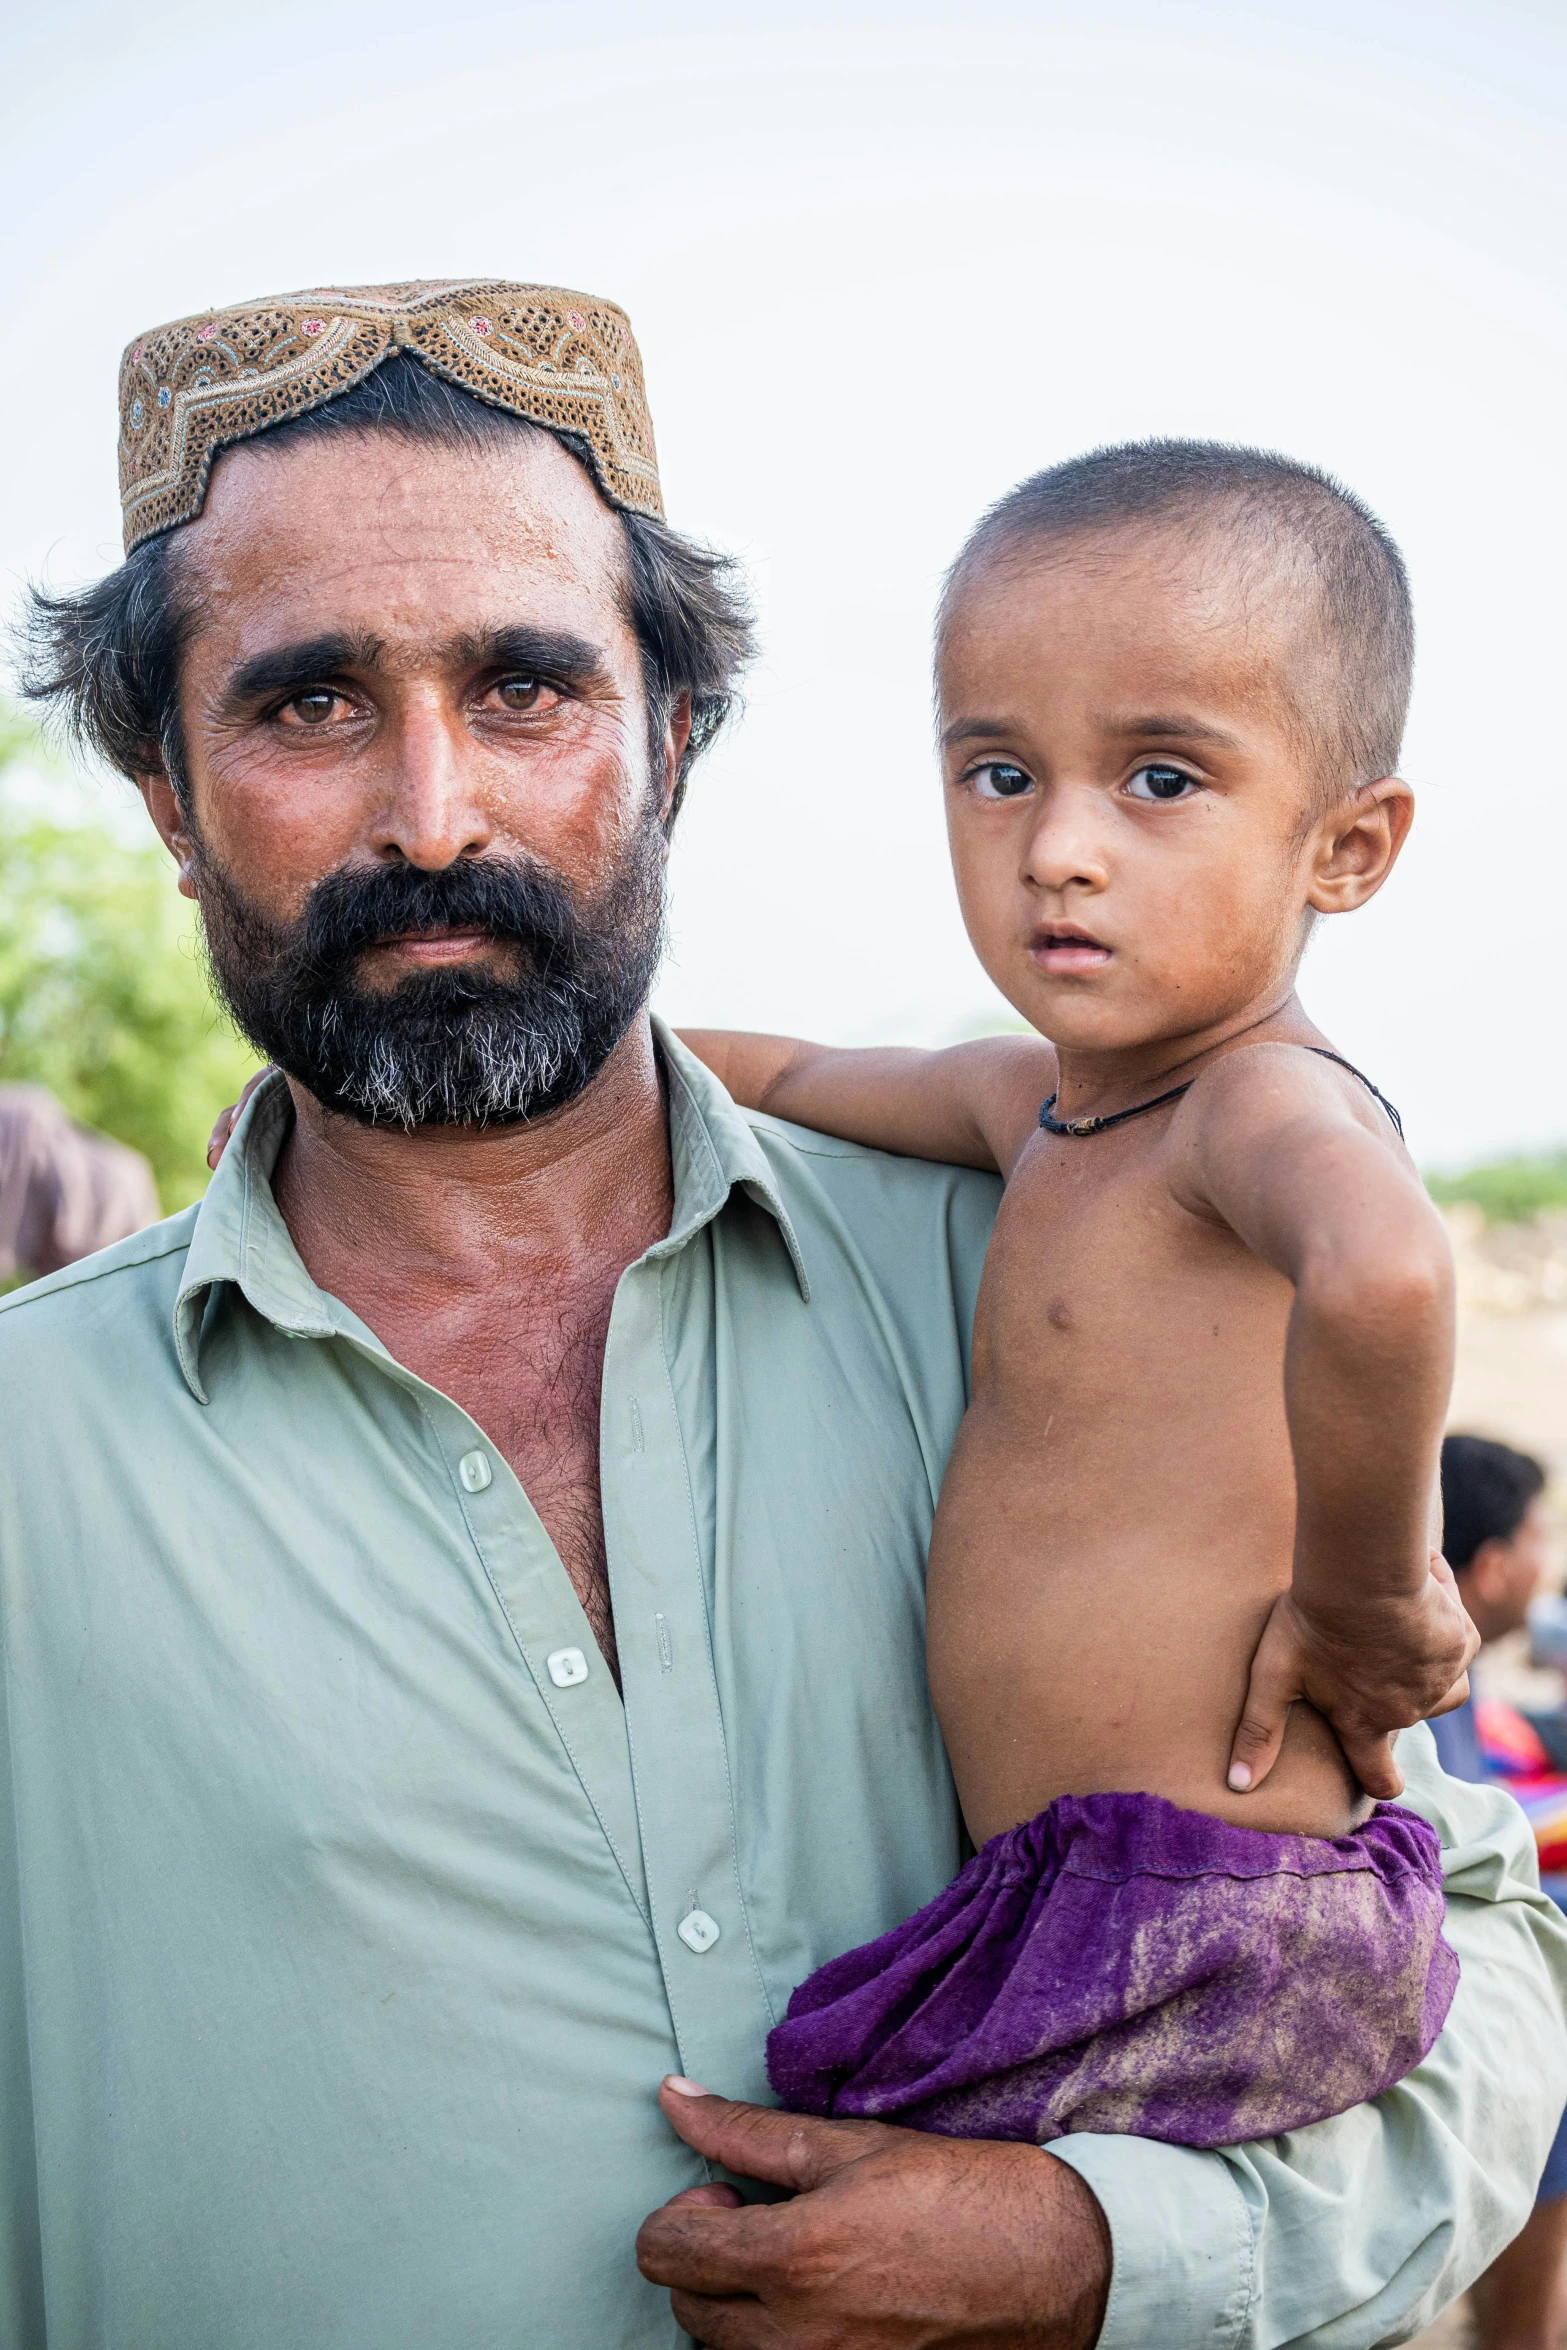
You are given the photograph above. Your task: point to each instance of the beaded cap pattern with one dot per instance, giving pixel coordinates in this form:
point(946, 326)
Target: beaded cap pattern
point(563, 360)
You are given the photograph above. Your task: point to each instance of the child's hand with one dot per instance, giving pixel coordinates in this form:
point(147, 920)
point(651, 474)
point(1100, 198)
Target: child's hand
point(1370, 1671)
point(228, 1119)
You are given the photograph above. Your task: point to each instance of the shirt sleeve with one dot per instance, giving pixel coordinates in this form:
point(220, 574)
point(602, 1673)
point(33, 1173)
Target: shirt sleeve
point(1359, 2230)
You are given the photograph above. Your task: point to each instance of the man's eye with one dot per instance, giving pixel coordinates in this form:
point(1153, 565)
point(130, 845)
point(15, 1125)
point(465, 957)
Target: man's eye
point(998, 781)
point(312, 708)
point(1159, 782)
point(519, 693)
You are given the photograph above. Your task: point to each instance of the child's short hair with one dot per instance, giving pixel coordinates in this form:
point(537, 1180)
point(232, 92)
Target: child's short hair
point(1325, 545)
point(1486, 1492)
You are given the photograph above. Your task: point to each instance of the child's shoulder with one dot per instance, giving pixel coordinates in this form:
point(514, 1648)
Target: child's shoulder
point(1282, 1077)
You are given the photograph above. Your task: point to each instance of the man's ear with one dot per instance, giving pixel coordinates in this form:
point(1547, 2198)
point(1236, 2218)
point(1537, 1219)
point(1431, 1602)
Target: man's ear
point(1357, 844)
point(677, 734)
point(169, 817)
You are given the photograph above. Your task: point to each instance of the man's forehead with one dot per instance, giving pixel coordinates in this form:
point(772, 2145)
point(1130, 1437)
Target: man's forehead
point(375, 532)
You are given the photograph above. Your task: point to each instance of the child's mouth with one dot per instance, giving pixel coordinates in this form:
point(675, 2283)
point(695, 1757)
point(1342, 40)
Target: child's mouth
point(1063, 949)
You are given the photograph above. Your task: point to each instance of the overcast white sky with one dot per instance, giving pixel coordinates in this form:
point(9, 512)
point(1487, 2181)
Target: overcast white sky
point(882, 261)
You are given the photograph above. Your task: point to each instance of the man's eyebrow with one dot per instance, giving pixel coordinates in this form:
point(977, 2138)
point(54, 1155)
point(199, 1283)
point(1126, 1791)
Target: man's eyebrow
point(532, 652)
point(309, 662)
point(550, 653)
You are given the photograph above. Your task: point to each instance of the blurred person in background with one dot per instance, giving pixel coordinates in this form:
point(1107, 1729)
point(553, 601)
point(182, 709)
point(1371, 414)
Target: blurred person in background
point(64, 1191)
point(1495, 1536)
point(1495, 1539)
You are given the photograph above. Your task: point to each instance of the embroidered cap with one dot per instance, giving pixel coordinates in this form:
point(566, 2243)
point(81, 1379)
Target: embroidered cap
point(566, 361)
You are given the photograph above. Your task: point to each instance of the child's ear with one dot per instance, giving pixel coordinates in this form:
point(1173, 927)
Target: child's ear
point(1355, 846)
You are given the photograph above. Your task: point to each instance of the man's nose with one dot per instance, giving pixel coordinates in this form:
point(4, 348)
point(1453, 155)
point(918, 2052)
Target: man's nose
point(433, 812)
point(1066, 844)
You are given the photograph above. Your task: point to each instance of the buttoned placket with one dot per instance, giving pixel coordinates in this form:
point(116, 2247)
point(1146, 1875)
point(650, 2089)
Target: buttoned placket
point(535, 1595)
point(654, 1767)
point(246, 1242)
point(675, 1731)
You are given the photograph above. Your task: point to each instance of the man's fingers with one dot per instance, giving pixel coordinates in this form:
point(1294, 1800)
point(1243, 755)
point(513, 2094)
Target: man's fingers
point(711, 2197)
point(728, 2325)
point(1271, 1691)
point(1370, 1757)
point(697, 2249)
point(757, 2142)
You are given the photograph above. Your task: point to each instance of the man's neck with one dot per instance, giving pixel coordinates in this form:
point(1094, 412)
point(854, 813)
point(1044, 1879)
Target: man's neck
point(487, 1263)
point(373, 1208)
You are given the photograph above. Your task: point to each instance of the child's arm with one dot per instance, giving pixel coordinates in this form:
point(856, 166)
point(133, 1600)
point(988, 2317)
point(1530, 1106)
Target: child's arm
point(1371, 1630)
point(974, 1105)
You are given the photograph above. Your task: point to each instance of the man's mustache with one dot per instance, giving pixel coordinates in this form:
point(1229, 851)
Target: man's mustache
point(462, 1043)
point(518, 901)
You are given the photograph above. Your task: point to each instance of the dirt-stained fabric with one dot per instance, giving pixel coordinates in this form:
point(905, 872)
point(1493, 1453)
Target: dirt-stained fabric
point(1123, 1966)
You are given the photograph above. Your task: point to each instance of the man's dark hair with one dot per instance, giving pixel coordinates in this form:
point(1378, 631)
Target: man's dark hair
point(107, 659)
point(1486, 1492)
point(1289, 525)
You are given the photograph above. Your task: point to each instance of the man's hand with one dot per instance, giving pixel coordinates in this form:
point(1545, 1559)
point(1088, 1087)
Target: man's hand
point(1375, 1668)
point(893, 2241)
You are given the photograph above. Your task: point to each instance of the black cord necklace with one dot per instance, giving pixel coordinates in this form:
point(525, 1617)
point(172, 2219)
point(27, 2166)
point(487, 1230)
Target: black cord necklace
point(1081, 1126)
point(1117, 1117)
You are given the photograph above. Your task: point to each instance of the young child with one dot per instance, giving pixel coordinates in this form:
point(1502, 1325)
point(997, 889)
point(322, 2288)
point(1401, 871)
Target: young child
point(1195, 1485)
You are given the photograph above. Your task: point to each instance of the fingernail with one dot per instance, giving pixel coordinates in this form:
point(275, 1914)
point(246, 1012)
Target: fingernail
point(1240, 1778)
point(684, 2088)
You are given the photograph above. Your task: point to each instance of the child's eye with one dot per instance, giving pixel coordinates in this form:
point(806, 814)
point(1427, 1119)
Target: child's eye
point(1159, 782)
point(997, 781)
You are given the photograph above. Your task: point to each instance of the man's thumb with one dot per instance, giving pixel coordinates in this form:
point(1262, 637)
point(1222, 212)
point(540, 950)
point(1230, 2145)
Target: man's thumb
point(792, 2150)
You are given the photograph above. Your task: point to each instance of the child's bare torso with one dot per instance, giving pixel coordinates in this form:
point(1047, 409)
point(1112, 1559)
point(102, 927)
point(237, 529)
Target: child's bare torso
point(1118, 1515)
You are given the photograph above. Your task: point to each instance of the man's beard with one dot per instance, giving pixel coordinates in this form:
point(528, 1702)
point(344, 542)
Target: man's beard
point(451, 1047)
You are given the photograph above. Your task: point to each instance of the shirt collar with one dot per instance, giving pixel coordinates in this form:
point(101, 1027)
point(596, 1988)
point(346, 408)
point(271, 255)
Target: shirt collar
point(241, 1238)
point(713, 1149)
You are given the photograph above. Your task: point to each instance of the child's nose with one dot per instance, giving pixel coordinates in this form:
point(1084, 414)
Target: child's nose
point(1067, 844)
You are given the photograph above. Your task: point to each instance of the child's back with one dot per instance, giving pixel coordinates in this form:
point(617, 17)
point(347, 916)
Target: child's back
point(1194, 1491)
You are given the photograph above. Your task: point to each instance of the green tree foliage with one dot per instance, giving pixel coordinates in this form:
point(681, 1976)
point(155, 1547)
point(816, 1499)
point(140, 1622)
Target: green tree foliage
point(1509, 1191)
point(103, 994)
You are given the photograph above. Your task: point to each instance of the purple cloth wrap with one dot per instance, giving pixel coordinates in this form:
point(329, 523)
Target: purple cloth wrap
point(1118, 1964)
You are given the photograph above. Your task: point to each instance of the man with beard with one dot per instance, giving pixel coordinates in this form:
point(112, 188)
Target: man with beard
point(461, 1585)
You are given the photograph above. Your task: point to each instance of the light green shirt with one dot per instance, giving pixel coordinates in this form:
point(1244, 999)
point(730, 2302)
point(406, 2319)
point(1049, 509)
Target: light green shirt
point(348, 1920)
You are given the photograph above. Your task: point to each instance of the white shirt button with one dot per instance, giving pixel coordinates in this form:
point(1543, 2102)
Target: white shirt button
point(566, 1667)
point(698, 1931)
point(475, 1472)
